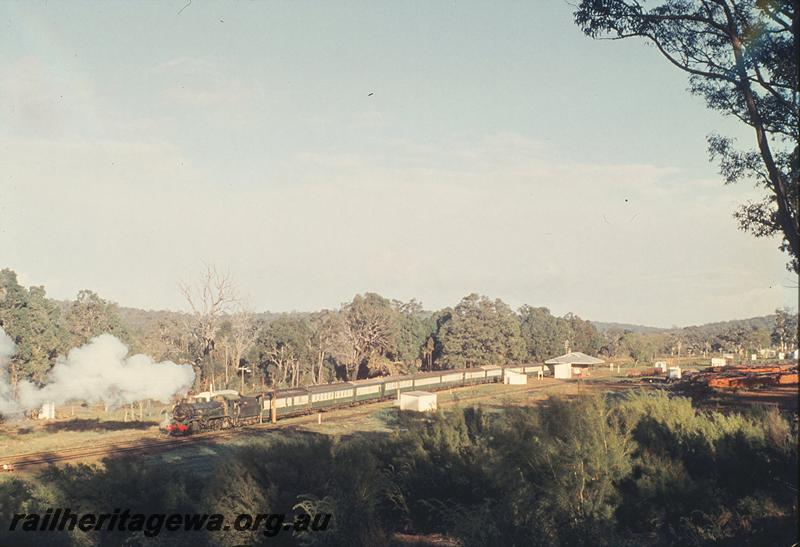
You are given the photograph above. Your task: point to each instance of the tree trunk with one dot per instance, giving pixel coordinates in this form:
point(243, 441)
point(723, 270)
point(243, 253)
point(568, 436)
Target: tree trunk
point(320, 363)
point(778, 186)
point(227, 379)
point(198, 375)
point(237, 358)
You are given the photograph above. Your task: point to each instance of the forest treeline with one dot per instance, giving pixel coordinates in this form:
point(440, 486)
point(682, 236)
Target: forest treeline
point(230, 345)
point(624, 470)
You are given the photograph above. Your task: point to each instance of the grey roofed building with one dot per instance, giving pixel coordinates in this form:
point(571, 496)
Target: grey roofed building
point(574, 358)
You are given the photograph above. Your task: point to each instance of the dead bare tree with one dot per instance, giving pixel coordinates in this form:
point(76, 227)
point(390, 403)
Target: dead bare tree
point(209, 300)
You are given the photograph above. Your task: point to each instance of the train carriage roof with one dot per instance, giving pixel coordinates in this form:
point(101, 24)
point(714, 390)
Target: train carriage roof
point(338, 386)
point(370, 381)
point(291, 392)
point(432, 373)
point(396, 377)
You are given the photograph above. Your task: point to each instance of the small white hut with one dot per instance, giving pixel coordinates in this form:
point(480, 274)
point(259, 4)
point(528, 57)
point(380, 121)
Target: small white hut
point(48, 411)
point(418, 401)
point(515, 378)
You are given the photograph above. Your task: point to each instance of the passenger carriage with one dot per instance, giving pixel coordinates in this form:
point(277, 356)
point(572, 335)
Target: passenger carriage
point(494, 373)
point(328, 395)
point(474, 375)
point(288, 402)
point(370, 389)
point(533, 369)
point(391, 385)
point(453, 377)
point(428, 380)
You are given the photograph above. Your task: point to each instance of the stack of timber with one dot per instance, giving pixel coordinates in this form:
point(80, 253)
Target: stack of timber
point(747, 377)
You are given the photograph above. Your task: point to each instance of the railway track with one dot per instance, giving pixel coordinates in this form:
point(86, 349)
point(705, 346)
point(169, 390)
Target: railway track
point(99, 450)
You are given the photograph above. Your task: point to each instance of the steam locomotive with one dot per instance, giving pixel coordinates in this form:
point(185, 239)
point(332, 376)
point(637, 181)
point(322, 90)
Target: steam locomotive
point(211, 411)
point(225, 409)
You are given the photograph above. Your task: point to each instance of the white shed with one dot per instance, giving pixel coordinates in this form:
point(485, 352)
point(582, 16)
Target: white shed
point(515, 378)
point(562, 366)
point(561, 370)
point(662, 366)
point(717, 361)
point(48, 411)
point(418, 401)
point(674, 373)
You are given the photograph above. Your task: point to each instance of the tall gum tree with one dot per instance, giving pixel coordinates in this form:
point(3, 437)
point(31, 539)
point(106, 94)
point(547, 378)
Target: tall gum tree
point(741, 56)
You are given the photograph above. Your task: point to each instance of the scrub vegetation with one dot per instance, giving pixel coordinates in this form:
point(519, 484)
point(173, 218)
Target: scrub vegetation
point(632, 469)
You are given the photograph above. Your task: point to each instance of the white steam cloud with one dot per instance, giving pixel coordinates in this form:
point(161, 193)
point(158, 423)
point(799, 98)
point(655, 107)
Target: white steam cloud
point(7, 349)
point(100, 371)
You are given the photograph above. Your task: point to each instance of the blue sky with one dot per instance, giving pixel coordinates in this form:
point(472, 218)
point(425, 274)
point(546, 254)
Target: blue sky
point(500, 152)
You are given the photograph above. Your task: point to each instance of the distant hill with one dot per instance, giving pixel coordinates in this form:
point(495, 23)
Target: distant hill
point(760, 322)
point(603, 326)
point(136, 316)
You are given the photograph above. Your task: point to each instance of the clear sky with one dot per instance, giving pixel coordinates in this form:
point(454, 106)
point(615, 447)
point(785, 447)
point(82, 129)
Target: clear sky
point(500, 152)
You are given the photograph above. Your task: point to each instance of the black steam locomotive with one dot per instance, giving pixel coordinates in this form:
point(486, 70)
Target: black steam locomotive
point(214, 411)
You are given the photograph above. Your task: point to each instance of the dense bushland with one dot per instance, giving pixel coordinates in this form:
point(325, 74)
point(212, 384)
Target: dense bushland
point(368, 336)
point(627, 470)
